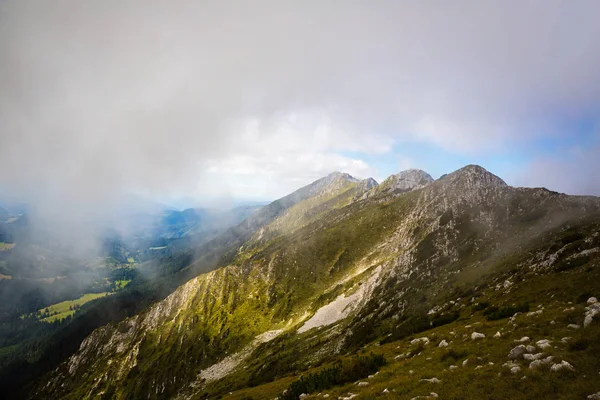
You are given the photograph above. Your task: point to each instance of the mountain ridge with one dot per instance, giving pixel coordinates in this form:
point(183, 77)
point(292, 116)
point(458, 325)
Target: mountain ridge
point(366, 255)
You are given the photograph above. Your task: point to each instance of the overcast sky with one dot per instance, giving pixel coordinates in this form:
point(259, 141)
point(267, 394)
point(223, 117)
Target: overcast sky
point(250, 100)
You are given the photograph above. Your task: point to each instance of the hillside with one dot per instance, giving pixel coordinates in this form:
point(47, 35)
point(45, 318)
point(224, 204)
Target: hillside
point(344, 267)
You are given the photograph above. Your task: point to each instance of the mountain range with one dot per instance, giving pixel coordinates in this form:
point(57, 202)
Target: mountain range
point(412, 288)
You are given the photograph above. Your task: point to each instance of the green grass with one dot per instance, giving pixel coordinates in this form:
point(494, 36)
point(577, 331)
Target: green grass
point(6, 246)
point(119, 285)
point(130, 260)
point(62, 309)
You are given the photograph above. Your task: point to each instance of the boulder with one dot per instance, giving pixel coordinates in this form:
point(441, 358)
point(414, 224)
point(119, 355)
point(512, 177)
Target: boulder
point(573, 326)
point(424, 340)
point(533, 357)
point(516, 369)
point(517, 352)
point(362, 384)
point(562, 366)
point(443, 343)
point(536, 364)
point(543, 344)
point(497, 335)
point(477, 335)
point(431, 380)
point(530, 348)
point(523, 339)
point(591, 311)
point(595, 396)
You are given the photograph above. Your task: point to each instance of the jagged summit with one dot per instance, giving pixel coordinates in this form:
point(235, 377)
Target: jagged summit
point(369, 183)
point(336, 176)
point(406, 180)
point(474, 175)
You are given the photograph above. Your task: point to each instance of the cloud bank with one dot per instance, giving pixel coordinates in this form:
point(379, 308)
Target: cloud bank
point(213, 99)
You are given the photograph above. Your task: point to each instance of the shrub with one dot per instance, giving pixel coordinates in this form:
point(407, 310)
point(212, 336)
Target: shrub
point(579, 344)
point(494, 313)
point(480, 306)
point(444, 319)
point(453, 355)
point(340, 373)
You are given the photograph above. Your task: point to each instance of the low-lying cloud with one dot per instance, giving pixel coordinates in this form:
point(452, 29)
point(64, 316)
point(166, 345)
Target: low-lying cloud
point(215, 99)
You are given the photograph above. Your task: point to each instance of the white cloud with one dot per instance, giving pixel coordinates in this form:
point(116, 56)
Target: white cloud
point(102, 98)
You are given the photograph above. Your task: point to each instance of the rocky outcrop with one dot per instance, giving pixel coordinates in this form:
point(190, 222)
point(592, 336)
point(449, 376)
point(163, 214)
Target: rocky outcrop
point(405, 181)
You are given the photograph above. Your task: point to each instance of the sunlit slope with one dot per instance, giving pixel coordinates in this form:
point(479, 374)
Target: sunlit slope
point(378, 267)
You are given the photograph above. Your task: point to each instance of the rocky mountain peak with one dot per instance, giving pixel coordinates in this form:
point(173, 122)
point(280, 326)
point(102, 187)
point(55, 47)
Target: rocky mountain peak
point(475, 176)
point(368, 183)
point(406, 180)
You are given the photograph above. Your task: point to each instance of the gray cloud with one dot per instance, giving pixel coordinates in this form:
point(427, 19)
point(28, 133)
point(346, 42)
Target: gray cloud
point(212, 98)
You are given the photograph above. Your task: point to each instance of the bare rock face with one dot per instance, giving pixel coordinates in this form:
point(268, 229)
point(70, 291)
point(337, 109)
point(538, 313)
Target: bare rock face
point(406, 181)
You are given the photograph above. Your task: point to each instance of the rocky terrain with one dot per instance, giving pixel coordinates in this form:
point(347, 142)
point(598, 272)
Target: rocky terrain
point(451, 283)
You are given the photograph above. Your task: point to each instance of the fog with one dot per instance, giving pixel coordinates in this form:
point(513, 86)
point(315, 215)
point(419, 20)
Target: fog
point(105, 100)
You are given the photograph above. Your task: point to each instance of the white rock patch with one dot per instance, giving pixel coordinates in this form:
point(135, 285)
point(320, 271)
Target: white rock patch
point(228, 364)
point(342, 306)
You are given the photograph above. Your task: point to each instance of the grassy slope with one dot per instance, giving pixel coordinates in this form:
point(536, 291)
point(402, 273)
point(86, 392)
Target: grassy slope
point(62, 309)
point(479, 379)
point(277, 280)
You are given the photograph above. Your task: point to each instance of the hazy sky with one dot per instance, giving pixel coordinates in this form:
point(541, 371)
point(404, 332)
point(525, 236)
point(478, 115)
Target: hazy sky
point(254, 99)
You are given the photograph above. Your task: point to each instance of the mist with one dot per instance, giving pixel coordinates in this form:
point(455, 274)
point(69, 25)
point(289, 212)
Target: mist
point(101, 101)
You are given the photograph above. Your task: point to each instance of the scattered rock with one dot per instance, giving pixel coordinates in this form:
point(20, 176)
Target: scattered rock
point(432, 395)
point(562, 366)
point(362, 384)
point(543, 344)
point(465, 363)
point(523, 339)
point(443, 343)
point(303, 396)
point(517, 352)
point(431, 380)
point(532, 357)
point(548, 359)
point(552, 322)
point(536, 364)
point(325, 395)
point(534, 313)
point(349, 396)
point(424, 340)
point(452, 367)
point(385, 391)
point(591, 311)
point(530, 348)
point(516, 369)
point(595, 396)
point(566, 339)
point(477, 335)
point(497, 335)
point(573, 326)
